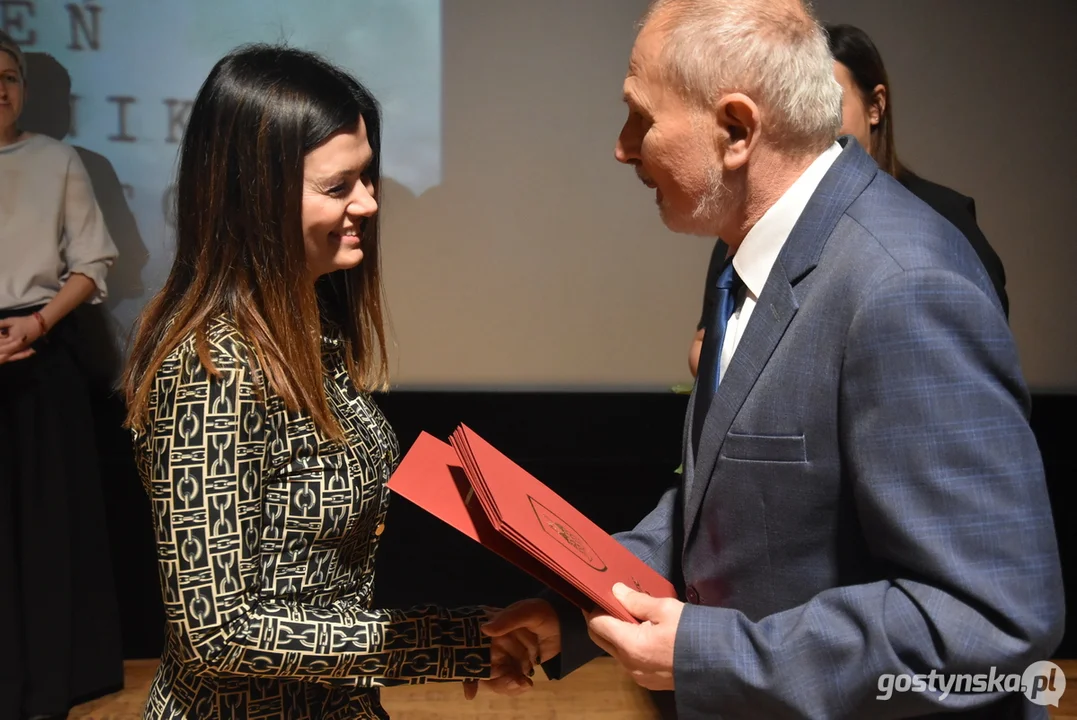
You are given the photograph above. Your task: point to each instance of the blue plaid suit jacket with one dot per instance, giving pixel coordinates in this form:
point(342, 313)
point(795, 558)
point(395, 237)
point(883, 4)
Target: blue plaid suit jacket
point(868, 496)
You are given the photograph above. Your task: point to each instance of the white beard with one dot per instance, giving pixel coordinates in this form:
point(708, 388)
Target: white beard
point(714, 201)
point(710, 208)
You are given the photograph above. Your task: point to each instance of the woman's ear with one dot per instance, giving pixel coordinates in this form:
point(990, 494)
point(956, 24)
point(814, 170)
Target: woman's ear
point(878, 105)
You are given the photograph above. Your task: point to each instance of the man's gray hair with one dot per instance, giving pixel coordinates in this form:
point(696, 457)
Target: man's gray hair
point(775, 52)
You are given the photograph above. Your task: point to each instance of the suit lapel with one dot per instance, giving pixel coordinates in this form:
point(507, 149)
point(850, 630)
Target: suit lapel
point(777, 305)
point(768, 322)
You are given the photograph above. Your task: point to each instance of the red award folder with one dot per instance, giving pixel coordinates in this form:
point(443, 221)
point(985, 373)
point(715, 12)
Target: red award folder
point(476, 489)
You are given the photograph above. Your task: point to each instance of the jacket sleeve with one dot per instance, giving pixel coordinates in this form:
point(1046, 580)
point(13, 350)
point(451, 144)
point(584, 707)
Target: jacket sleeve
point(206, 470)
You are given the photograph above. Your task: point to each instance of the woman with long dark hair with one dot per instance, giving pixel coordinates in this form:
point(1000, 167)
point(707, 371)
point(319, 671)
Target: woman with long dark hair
point(260, 447)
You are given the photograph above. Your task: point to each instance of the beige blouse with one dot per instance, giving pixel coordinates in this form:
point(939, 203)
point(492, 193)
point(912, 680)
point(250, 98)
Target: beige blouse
point(50, 224)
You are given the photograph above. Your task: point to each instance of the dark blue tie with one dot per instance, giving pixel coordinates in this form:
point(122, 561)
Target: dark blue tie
point(710, 355)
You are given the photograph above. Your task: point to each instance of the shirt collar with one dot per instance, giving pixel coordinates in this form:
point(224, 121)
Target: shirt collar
point(759, 250)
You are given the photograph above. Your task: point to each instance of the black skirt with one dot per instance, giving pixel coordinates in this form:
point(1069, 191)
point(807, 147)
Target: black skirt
point(59, 622)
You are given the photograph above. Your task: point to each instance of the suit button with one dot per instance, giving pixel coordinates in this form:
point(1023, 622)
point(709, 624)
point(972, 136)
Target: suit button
point(693, 596)
point(379, 529)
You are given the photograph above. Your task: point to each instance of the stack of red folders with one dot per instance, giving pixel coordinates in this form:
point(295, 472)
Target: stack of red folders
point(482, 493)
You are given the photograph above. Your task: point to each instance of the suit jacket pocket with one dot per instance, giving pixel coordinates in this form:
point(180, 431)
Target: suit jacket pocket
point(764, 448)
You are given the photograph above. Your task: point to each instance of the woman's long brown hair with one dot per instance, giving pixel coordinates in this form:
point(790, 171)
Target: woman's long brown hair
point(239, 236)
point(854, 49)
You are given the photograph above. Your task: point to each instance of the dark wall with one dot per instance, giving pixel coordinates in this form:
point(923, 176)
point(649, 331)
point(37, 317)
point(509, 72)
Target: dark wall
point(610, 454)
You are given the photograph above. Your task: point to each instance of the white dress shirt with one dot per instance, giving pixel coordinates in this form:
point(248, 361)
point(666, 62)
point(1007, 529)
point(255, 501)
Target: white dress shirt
point(759, 251)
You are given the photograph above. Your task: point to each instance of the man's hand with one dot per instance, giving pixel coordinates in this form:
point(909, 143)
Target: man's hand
point(645, 650)
point(512, 663)
point(17, 334)
point(530, 624)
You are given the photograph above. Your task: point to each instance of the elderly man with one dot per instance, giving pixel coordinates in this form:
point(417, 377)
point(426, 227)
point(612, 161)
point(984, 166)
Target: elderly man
point(863, 498)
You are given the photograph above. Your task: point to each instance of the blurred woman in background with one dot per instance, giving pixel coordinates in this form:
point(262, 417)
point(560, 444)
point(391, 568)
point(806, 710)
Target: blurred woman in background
point(58, 609)
point(868, 115)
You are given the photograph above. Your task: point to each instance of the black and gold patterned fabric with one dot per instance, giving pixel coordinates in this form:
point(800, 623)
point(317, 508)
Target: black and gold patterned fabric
point(266, 533)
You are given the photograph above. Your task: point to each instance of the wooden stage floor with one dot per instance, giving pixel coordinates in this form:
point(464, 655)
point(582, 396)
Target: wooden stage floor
point(598, 691)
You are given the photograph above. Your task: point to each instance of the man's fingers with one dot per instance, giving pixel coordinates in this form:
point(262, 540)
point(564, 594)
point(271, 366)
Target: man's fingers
point(527, 614)
point(604, 643)
point(508, 647)
point(641, 605)
point(504, 622)
point(609, 628)
point(653, 681)
point(531, 642)
point(509, 684)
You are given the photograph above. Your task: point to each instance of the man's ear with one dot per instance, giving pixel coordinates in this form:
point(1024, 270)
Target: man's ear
point(738, 116)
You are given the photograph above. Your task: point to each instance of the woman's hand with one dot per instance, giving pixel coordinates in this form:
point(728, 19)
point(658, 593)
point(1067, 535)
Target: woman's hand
point(513, 657)
point(17, 334)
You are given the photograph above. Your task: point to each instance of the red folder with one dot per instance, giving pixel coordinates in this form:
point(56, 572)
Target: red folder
point(479, 491)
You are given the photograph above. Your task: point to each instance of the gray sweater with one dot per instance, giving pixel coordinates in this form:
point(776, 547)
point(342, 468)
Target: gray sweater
point(50, 224)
